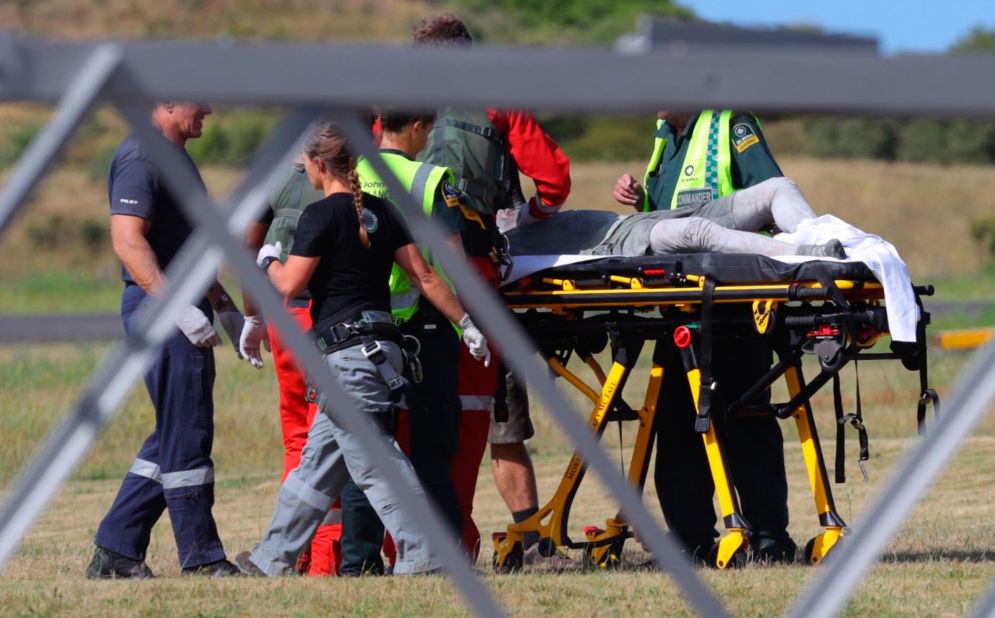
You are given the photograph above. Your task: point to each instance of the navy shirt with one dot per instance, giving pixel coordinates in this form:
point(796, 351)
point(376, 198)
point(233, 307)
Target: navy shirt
point(349, 278)
point(135, 188)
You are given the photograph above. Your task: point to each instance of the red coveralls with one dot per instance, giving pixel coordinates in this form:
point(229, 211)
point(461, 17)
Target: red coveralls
point(538, 157)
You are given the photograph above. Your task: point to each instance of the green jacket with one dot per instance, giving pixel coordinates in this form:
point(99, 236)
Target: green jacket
point(716, 154)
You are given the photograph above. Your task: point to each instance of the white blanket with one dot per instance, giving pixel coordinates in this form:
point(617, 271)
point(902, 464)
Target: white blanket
point(881, 258)
point(879, 255)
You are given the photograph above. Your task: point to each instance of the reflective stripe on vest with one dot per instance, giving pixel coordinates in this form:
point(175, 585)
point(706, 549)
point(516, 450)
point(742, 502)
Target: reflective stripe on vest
point(659, 143)
point(421, 180)
point(706, 170)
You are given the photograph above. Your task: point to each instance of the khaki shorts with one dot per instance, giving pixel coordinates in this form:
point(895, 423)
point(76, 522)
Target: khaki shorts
point(518, 426)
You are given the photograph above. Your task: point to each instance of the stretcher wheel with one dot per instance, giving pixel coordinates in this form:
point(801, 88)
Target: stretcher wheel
point(512, 562)
point(738, 560)
point(603, 558)
point(810, 557)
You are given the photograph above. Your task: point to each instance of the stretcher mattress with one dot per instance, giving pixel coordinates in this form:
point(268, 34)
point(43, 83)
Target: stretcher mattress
point(724, 268)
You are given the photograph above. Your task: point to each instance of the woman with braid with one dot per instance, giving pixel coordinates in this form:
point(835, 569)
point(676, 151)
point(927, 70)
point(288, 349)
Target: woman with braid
point(343, 251)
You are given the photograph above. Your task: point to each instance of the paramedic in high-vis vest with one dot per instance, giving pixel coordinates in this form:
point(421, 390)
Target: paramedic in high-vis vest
point(698, 159)
point(428, 424)
point(486, 150)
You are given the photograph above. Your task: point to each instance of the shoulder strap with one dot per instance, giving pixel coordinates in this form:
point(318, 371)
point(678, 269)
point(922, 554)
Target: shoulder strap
point(486, 132)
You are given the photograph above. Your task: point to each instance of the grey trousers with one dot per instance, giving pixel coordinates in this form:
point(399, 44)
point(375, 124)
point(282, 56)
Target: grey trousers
point(330, 456)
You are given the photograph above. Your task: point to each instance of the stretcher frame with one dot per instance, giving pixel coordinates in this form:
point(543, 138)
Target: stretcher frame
point(626, 302)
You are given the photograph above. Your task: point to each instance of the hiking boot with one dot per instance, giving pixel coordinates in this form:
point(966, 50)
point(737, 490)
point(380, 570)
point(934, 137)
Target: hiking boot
point(832, 248)
point(244, 563)
point(107, 564)
point(220, 568)
point(770, 550)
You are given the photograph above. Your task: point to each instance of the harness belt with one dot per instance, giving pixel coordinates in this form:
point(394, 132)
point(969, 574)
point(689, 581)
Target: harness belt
point(367, 331)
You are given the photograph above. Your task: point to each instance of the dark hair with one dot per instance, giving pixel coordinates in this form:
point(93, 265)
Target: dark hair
point(444, 30)
point(329, 145)
point(395, 120)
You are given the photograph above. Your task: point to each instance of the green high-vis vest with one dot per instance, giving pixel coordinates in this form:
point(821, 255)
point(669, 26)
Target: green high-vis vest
point(706, 169)
point(420, 179)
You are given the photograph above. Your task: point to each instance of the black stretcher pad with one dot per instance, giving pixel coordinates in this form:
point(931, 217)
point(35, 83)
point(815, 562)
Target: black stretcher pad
point(724, 268)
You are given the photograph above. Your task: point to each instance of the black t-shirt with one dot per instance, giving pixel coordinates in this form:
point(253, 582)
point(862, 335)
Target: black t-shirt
point(135, 188)
point(350, 278)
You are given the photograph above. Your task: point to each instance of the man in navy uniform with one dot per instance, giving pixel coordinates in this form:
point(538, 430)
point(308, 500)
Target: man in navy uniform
point(173, 469)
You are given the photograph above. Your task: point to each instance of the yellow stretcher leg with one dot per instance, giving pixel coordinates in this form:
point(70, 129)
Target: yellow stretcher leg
point(550, 522)
point(604, 545)
point(733, 545)
point(818, 547)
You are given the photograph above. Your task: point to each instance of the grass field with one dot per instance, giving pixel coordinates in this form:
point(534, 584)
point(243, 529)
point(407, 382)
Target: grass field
point(939, 564)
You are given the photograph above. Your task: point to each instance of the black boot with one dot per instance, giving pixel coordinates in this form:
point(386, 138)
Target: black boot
point(772, 549)
point(220, 568)
point(107, 564)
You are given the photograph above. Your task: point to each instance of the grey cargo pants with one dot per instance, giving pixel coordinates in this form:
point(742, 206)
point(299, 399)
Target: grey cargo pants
point(330, 456)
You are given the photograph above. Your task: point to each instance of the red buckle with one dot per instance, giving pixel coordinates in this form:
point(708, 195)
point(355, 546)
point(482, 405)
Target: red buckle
point(824, 332)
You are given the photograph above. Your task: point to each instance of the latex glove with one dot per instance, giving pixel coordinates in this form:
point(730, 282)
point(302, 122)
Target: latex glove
point(232, 321)
point(197, 328)
point(475, 340)
point(253, 333)
point(506, 219)
point(267, 251)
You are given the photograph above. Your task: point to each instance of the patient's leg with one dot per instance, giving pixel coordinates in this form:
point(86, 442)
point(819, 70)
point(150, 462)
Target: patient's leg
point(775, 200)
point(696, 234)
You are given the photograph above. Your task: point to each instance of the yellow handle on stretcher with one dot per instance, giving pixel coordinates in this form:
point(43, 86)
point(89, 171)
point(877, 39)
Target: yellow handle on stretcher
point(633, 282)
point(566, 284)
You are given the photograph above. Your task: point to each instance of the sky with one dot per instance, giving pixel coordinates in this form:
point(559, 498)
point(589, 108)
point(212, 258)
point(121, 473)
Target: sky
point(900, 26)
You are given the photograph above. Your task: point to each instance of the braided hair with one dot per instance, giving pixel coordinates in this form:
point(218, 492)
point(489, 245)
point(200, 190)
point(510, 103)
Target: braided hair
point(329, 145)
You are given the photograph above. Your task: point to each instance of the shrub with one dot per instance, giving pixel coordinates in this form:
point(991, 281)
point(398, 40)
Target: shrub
point(983, 232)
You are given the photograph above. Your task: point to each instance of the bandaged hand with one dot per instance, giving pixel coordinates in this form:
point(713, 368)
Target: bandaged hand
point(197, 328)
point(475, 340)
point(269, 251)
point(253, 333)
point(232, 322)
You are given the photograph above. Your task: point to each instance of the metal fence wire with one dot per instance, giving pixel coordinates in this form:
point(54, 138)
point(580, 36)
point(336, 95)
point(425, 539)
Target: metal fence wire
point(131, 76)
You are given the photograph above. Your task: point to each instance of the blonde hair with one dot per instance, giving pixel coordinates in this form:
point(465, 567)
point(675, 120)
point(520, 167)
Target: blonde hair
point(329, 145)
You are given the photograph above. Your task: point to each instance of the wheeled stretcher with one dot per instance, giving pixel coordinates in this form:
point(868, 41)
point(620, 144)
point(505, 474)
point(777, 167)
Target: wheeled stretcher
point(833, 310)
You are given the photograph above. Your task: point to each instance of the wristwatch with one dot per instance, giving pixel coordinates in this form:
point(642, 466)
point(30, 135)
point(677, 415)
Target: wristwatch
point(269, 259)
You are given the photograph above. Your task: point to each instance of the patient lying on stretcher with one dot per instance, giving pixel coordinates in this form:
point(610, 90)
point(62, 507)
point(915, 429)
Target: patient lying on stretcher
point(725, 225)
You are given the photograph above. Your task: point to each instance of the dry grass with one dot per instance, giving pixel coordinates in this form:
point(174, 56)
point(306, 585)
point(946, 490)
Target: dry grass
point(938, 565)
point(328, 20)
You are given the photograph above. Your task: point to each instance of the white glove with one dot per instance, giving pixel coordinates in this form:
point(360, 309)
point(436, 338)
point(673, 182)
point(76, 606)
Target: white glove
point(474, 340)
point(267, 251)
point(232, 321)
point(253, 332)
point(507, 219)
point(197, 328)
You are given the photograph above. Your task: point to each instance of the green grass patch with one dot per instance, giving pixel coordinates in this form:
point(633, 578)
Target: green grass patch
point(61, 292)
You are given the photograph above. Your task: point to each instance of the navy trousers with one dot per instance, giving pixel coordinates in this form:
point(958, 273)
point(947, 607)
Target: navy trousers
point(173, 469)
point(754, 446)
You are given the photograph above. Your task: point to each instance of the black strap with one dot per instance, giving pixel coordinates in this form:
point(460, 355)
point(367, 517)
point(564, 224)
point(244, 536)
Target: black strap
point(486, 132)
point(840, 430)
point(856, 420)
point(373, 351)
point(707, 387)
